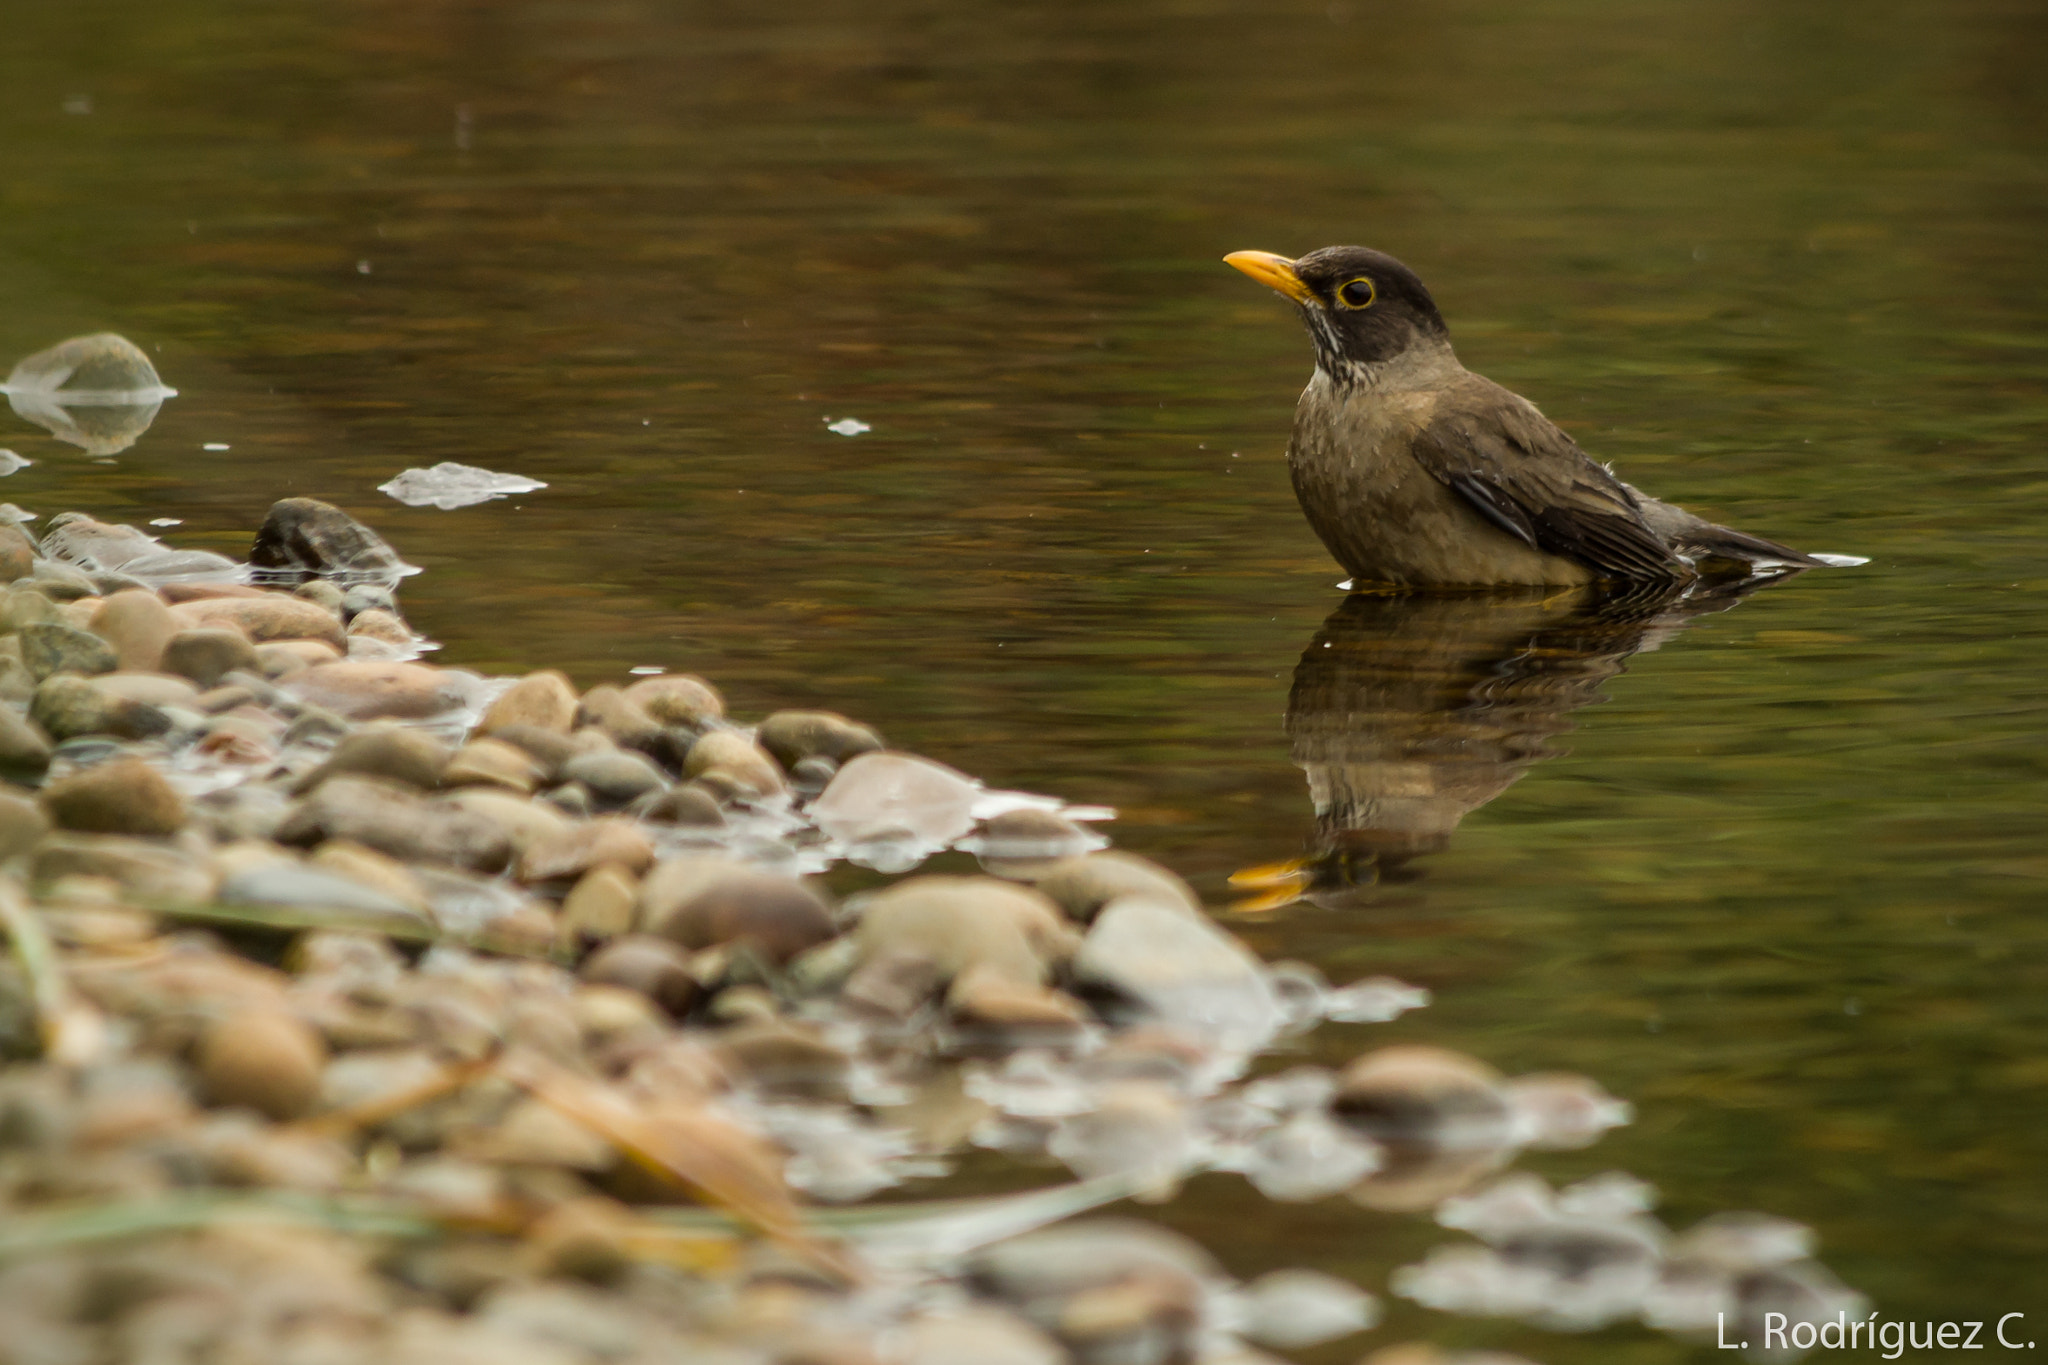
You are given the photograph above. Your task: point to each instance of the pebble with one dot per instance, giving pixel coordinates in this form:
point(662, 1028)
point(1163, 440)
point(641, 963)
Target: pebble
point(17, 552)
point(368, 868)
point(22, 823)
point(702, 901)
point(730, 755)
point(889, 796)
point(370, 689)
point(1181, 969)
point(678, 699)
point(600, 906)
point(323, 592)
point(545, 700)
point(310, 888)
point(613, 778)
point(687, 805)
point(161, 690)
point(61, 582)
point(522, 822)
point(1414, 1099)
point(378, 624)
point(262, 1060)
point(792, 736)
point(492, 763)
point(207, 655)
point(650, 964)
point(958, 923)
point(67, 706)
point(48, 648)
point(586, 845)
point(123, 796)
point(552, 748)
point(148, 871)
point(619, 716)
point(310, 536)
point(393, 752)
point(138, 626)
point(20, 606)
point(274, 616)
point(1084, 885)
point(24, 745)
point(397, 822)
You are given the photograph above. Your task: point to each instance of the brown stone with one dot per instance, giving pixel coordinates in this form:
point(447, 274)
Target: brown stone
point(585, 845)
point(121, 796)
point(600, 906)
point(649, 964)
point(700, 902)
point(363, 689)
point(261, 1059)
point(733, 756)
point(207, 654)
point(611, 711)
point(492, 763)
point(384, 750)
point(678, 699)
point(138, 625)
point(545, 700)
point(273, 616)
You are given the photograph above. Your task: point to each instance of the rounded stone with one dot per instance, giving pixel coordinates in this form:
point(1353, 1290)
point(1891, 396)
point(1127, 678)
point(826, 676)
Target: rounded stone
point(599, 907)
point(273, 616)
point(208, 654)
point(552, 748)
point(24, 746)
point(1082, 886)
point(620, 717)
point(22, 823)
point(48, 648)
point(586, 845)
point(21, 606)
point(688, 805)
point(1413, 1099)
point(17, 552)
point(67, 706)
point(150, 689)
point(369, 689)
point(311, 536)
point(122, 796)
point(378, 624)
point(523, 822)
point(138, 625)
point(319, 590)
point(649, 964)
point(384, 750)
point(963, 923)
point(395, 821)
point(545, 700)
point(678, 699)
point(738, 759)
point(792, 736)
point(614, 779)
point(492, 763)
point(261, 1059)
point(701, 902)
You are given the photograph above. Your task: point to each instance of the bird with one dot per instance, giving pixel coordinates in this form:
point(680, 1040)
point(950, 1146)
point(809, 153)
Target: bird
point(1418, 473)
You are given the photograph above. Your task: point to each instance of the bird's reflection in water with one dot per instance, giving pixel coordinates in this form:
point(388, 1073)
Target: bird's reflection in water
point(1409, 711)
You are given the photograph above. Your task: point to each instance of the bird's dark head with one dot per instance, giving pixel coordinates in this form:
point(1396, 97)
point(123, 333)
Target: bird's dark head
point(1362, 306)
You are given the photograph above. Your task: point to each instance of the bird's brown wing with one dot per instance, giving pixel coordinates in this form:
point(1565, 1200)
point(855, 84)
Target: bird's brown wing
point(1514, 466)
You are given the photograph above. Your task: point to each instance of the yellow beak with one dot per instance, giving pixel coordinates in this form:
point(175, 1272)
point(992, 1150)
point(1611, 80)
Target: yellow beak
point(1275, 272)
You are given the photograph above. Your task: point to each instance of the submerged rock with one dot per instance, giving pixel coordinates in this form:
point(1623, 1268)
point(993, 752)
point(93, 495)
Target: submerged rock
point(99, 392)
point(302, 537)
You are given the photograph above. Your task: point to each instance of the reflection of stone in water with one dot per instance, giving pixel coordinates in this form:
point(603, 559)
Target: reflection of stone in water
point(1408, 712)
point(98, 392)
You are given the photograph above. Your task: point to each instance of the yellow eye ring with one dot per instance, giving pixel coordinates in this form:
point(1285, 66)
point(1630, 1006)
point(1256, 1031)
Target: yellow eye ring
point(1358, 292)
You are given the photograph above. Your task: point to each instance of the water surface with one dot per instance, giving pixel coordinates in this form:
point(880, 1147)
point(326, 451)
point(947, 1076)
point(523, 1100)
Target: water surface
point(1782, 889)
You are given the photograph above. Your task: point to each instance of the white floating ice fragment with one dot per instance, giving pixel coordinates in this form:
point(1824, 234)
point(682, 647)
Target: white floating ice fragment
point(449, 485)
point(216, 445)
point(646, 670)
point(166, 521)
point(847, 426)
point(1841, 561)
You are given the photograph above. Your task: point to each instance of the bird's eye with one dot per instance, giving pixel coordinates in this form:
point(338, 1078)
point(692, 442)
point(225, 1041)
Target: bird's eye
point(1358, 293)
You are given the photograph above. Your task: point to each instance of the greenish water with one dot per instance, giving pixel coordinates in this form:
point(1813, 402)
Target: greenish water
point(1781, 262)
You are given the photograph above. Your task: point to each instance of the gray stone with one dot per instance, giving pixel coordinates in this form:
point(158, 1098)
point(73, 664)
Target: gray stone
point(21, 606)
point(208, 654)
point(67, 706)
point(384, 750)
point(688, 805)
point(294, 884)
point(61, 582)
point(52, 648)
point(123, 796)
point(792, 736)
point(17, 552)
point(614, 779)
point(307, 536)
point(320, 590)
point(151, 872)
point(398, 822)
point(1183, 970)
